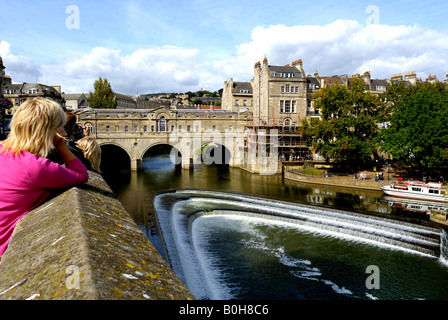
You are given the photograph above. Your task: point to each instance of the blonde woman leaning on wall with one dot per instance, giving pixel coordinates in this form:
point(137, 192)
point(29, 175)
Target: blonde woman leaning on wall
point(91, 151)
point(26, 176)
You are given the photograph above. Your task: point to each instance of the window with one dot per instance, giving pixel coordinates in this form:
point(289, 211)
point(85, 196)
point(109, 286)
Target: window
point(245, 103)
point(433, 191)
point(145, 128)
point(230, 128)
point(180, 128)
point(135, 128)
point(126, 128)
point(283, 89)
point(188, 128)
point(162, 124)
point(197, 128)
point(237, 102)
point(107, 129)
point(297, 89)
point(287, 88)
point(214, 128)
point(287, 106)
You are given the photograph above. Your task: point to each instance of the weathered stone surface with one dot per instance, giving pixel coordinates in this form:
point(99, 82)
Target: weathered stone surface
point(439, 216)
point(83, 245)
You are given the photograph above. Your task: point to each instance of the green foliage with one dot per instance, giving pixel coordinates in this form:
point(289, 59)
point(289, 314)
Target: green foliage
point(348, 130)
point(418, 132)
point(103, 96)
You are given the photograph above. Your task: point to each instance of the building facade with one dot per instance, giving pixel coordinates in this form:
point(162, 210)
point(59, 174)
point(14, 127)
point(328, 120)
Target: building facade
point(19, 93)
point(237, 96)
point(279, 94)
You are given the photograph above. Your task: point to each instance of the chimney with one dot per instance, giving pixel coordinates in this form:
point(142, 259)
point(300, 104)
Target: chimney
point(397, 77)
point(298, 64)
point(432, 79)
point(366, 77)
point(411, 77)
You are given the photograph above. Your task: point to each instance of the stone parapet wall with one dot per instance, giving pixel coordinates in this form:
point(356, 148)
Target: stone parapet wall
point(83, 245)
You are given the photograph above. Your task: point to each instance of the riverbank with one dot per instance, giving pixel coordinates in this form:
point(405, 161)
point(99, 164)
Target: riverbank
point(348, 181)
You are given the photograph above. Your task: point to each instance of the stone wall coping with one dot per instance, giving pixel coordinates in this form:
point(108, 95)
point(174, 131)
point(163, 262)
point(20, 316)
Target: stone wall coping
point(83, 245)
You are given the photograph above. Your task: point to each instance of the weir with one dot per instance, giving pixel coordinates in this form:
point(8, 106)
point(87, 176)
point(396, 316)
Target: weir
point(382, 231)
point(178, 210)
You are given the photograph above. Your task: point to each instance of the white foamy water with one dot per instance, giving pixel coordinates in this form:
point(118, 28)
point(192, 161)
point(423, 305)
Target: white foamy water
point(189, 219)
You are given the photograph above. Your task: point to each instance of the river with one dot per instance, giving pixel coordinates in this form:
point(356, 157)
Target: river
point(242, 256)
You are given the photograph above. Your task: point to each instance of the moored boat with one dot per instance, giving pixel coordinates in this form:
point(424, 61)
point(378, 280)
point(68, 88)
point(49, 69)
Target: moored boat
point(431, 191)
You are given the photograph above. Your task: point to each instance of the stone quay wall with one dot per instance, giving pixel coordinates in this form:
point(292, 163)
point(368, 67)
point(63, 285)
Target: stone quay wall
point(348, 181)
point(83, 245)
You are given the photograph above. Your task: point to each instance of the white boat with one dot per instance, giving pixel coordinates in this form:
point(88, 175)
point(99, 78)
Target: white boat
point(431, 191)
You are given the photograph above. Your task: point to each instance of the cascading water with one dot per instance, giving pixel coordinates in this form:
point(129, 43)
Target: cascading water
point(201, 230)
point(444, 245)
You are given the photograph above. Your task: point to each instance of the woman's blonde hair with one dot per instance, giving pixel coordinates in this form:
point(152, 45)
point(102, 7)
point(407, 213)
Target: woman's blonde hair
point(91, 150)
point(33, 127)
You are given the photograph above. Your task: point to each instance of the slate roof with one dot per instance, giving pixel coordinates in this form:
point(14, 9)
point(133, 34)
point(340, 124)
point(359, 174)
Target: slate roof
point(283, 69)
point(237, 86)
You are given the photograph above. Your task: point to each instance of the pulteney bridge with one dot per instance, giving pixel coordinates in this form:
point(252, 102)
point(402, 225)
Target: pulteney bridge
point(188, 131)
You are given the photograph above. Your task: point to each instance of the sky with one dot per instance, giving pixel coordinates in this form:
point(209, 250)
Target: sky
point(178, 46)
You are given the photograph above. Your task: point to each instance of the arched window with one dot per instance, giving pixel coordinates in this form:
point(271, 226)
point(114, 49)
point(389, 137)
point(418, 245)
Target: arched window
point(287, 122)
point(162, 124)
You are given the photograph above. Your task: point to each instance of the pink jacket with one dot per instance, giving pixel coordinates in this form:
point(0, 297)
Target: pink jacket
point(26, 181)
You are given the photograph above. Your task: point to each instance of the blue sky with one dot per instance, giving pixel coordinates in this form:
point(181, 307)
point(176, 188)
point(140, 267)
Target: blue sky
point(177, 46)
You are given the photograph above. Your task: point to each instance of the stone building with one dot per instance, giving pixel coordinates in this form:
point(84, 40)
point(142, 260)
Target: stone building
point(75, 101)
point(164, 120)
point(2, 73)
point(279, 94)
point(125, 101)
point(19, 93)
point(237, 96)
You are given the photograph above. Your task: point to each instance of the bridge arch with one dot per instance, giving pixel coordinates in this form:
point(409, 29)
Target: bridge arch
point(211, 152)
point(114, 155)
point(175, 153)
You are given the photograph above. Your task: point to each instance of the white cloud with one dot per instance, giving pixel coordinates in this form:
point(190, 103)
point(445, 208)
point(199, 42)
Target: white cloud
point(17, 65)
point(341, 47)
point(347, 47)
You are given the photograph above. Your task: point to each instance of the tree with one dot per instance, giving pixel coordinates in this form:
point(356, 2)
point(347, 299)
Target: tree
point(103, 96)
point(418, 133)
point(348, 130)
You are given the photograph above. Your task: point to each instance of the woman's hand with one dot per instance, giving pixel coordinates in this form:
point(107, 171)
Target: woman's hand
point(59, 143)
point(59, 137)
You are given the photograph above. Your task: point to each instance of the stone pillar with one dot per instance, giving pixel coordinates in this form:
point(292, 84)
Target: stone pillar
point(136, 165)
point(187, 163)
